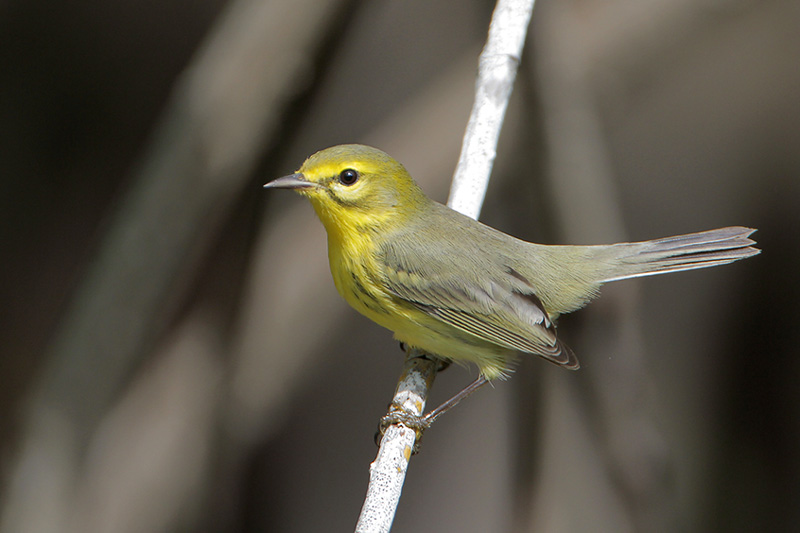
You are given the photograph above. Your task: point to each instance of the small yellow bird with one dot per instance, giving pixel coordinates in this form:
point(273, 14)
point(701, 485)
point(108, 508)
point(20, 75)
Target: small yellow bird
point(458, 289)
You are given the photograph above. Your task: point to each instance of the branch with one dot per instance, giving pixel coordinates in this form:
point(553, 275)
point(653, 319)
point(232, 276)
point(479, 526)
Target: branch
point(223, 110)
point(497, 71)
point(620, 400)
point(388, 472)
point(496, 74)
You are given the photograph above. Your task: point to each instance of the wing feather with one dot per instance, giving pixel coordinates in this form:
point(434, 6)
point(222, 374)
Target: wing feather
point(503, 310)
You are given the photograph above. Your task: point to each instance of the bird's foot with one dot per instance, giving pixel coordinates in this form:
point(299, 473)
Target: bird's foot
point(398, 415)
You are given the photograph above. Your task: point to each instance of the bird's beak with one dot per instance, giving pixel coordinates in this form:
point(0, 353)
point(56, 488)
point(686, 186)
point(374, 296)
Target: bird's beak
point(292, 181)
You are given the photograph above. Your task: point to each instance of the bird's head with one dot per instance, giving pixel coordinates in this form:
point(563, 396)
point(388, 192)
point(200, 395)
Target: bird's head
point(354, 187)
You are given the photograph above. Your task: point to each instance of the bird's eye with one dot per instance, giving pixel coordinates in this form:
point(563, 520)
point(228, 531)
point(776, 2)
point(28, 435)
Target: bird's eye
point(348, 176)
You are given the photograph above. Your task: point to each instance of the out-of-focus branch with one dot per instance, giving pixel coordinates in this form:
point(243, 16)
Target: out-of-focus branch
point(586, 202)
point(222, 112)
point(497, 71)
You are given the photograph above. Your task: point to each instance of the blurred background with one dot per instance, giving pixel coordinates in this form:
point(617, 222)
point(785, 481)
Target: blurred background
point(175, 356)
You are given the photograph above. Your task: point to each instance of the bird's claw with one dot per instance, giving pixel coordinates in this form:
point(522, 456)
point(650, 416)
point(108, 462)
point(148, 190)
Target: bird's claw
point(398, 415)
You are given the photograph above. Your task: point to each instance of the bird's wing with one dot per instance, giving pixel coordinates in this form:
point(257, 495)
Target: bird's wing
point(491, 301)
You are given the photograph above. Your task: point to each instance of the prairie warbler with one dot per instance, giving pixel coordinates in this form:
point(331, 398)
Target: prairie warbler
point(458, 289)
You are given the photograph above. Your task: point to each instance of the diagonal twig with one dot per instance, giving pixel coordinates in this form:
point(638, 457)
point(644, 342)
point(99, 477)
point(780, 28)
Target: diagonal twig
point(497, 71)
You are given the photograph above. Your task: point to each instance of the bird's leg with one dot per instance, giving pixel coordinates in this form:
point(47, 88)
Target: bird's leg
point(444, 364)
point(420, 423)
point(431, 417)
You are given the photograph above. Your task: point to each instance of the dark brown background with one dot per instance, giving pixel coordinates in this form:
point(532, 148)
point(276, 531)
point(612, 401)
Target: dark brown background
point(174, 355)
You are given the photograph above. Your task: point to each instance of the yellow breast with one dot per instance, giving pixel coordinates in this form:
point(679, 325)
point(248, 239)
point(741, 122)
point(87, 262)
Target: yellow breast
point(357, 275)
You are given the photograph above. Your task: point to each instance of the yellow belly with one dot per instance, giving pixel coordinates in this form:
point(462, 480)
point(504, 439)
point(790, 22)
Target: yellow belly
point(366, 294)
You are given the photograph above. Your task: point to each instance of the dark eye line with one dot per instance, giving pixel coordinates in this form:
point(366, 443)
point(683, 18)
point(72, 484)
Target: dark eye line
point(341, 201)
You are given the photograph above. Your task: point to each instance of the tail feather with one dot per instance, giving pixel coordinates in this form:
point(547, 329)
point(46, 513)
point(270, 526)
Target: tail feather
point(681, 252)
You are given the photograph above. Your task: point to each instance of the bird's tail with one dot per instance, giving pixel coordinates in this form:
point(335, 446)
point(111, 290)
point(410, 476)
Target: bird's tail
point(673, 254)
